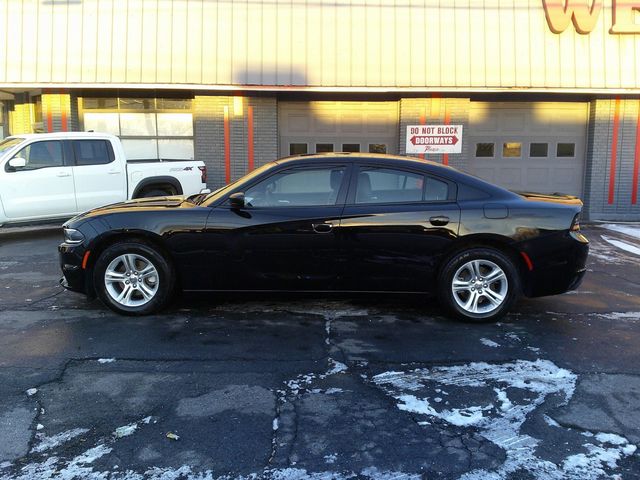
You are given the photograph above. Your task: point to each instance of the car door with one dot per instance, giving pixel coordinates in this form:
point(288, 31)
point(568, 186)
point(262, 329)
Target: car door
point(43, 188)
point(285, 237)
point(100, 178)
point(395, 227)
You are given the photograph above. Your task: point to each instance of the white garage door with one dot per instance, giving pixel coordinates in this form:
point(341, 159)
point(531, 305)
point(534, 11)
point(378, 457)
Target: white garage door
point(533, 146)
point(317, 127)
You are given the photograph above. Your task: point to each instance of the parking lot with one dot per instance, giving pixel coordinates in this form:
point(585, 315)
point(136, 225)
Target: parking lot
point(248, 386)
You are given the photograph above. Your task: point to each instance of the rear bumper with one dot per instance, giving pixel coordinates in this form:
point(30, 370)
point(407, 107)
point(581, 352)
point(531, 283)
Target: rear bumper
point(561, 270)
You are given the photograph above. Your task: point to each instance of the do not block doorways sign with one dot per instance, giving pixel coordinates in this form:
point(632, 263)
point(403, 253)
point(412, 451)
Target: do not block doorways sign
point(434, 139)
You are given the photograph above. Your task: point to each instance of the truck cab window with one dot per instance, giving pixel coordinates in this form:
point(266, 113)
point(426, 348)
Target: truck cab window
point(42, 155)
point(93, 152)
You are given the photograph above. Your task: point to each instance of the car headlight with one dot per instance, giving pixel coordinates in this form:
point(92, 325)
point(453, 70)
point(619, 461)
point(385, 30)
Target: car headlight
point(72, 236)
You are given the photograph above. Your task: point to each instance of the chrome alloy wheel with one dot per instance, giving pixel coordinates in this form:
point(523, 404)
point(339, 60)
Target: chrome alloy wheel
point(479, 286)
point(131, 280)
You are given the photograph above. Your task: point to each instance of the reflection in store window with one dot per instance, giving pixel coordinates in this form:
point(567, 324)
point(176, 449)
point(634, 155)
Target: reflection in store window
point(511, 149)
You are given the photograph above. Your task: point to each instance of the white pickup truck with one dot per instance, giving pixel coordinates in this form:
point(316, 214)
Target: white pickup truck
point(52, 176)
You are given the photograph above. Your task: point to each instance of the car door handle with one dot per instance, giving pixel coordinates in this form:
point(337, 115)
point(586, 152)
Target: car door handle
point(439, 221)
point(63, 174)
point(114, 172)
point(322, 227)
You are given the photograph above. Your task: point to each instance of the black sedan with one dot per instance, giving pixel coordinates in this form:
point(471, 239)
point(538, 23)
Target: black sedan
point(333, 222)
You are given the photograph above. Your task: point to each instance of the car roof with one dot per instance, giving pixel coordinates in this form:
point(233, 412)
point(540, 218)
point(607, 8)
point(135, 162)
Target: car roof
point(359, 156)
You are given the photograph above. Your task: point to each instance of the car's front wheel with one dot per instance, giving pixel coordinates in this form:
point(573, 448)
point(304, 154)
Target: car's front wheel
point(479, 284)
point(133, 278)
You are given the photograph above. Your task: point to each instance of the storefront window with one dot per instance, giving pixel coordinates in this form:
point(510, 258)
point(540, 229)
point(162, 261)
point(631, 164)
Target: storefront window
point(150, 128)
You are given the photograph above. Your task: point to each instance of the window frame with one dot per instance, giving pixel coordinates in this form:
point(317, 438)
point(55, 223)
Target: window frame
point(340, 199)
point(358, 167)
point(72, 150)
point(63, 150)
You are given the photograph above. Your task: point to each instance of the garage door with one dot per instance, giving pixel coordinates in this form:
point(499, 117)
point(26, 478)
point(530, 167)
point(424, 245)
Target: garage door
point(537, 146)
point(317, 127)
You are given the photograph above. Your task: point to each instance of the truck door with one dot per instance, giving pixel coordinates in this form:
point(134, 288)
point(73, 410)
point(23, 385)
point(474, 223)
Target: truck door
point(100, 178)
point(43, 188)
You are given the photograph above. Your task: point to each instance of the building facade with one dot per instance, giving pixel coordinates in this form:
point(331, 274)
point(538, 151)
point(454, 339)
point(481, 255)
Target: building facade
point(547, 91)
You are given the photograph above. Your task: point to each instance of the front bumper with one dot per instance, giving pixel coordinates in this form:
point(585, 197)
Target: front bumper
point(74, 276)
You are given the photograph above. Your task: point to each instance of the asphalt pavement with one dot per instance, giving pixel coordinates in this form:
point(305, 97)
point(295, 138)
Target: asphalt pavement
point(319, 387)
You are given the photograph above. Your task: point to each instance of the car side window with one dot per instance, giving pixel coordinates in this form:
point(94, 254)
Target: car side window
point(297, 188)
point(385, 185)
point(42, 155)
point(435, 190)
point(93, 152)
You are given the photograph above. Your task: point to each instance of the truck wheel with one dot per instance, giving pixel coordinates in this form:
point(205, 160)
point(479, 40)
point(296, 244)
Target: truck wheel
point(479, 284)
point(156, 192)
point(133, 278)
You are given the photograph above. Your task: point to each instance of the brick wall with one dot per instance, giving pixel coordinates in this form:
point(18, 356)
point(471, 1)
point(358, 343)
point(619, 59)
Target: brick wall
point(208, 112)
point(57, 112)
point(433, 110)
point(599, 159)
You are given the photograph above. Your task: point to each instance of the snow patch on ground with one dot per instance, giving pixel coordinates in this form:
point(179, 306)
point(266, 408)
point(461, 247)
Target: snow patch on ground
point(489, 343)
point(531, 384)
point(125, 430)
point(106, 360)
point(620, 315)
point(631, 230)
point(47, 443)
point(627, 247)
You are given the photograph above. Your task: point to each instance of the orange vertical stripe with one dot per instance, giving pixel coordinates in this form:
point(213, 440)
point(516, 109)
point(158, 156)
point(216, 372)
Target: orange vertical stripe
point(614, 152)
point(636, 162)
point(423, 120)
point(447, 119)
point(250, 137)
point(227, 147)
point(63, 113)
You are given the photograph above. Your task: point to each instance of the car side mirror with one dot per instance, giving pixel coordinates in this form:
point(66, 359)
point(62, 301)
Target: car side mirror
point(16, 163)
point(236, 200)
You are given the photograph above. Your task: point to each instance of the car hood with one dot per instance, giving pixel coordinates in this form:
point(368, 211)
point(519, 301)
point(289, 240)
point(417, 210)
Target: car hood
point(139, 205)
point(551, 198)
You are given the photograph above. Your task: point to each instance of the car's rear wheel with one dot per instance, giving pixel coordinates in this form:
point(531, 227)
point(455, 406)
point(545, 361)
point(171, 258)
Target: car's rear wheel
point(133, 278)
point(479, 284)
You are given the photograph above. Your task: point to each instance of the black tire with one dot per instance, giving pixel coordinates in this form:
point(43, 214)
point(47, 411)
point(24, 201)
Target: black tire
point(137, 249)
point(487, 309)
point(156, 192)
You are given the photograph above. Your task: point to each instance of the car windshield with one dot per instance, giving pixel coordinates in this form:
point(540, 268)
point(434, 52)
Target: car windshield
point(215, 195)
point(8, 143)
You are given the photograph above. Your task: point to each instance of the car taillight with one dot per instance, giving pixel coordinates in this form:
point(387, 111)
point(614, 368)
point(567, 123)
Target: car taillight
point(203, 174)
point(575, 225)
